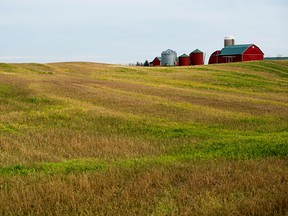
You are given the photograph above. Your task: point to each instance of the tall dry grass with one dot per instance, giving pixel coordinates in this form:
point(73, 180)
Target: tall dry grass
point(193, 188)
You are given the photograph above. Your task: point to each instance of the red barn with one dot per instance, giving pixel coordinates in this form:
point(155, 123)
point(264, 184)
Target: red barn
point(214, 58)
point(237, 53)
point(156, 62)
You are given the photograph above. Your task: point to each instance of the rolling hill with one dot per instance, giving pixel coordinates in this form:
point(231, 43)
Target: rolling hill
point(87, 138)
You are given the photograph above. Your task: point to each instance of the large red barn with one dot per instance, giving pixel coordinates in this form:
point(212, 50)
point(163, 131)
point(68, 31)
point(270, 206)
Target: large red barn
point(214, 57)
point(237, 53)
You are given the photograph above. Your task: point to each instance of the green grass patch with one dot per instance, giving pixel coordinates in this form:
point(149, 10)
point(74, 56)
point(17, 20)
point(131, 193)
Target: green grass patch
point(9, 128)
point(65, 167)
point(7, 68)
point(228, 148)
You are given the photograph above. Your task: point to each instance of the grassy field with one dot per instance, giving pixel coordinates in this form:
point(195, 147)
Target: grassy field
point(96, 139)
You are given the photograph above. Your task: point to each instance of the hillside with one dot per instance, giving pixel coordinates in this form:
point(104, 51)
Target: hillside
point(85, 138)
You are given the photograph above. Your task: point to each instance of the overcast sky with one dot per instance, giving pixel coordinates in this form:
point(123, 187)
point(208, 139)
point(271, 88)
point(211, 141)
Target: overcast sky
point(124, 31)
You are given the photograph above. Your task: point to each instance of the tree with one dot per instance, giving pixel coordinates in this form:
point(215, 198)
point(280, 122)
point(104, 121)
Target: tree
point(146, 63)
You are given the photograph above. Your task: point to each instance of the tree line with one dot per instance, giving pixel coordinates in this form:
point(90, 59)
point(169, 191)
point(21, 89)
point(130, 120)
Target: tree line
point(145, 64)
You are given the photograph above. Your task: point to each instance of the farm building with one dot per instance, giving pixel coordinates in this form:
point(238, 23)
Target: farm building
point(169, 58)
point(236, 53)
point(230, 53)
point(197, 57)
point(214, 57)
point(156, 62)
point(184, 60)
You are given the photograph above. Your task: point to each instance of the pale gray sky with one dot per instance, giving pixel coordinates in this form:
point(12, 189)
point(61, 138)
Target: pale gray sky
point(124, 31)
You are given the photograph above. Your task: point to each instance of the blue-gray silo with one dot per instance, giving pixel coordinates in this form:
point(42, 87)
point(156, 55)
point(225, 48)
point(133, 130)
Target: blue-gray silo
point(169, 58)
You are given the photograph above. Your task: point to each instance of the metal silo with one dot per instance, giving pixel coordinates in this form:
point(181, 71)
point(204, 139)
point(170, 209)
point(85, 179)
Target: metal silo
point(229, 41)
point(184, 60)
point(197, 57)
point(169, 58)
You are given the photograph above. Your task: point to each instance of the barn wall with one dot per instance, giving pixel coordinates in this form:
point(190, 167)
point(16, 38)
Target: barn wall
point(237, 58)
point(214, 58)
point(253, 53)
point(253, 57)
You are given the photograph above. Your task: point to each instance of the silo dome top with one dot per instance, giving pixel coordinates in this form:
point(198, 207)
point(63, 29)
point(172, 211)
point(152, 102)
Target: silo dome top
point(169, 51)
point(229, 37)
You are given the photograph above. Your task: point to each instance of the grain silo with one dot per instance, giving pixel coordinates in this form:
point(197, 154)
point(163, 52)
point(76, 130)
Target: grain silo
point(184, 60)
point(229, 41)
point(168, 58)
point(197, 57)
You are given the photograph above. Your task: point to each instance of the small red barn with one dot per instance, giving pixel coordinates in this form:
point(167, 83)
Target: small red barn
point(156, 62)
point(237, 53)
